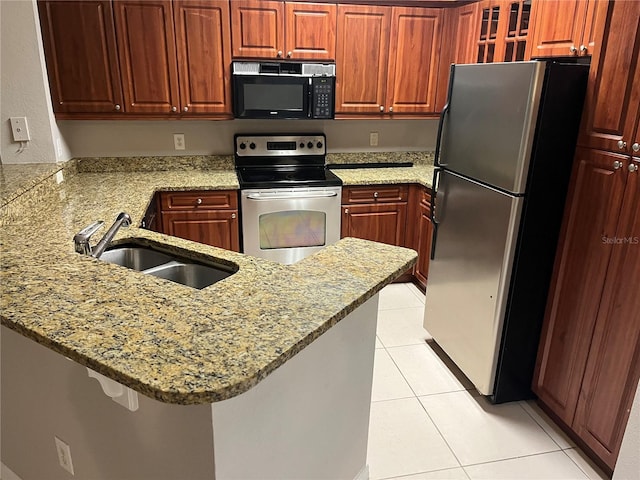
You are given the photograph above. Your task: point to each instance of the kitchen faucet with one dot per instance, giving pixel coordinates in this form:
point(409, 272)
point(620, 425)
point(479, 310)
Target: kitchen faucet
point(81, 239)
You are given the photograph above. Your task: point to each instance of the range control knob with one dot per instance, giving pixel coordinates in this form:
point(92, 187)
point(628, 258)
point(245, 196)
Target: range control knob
point(252, 146)
point(310, 145)
point(243, 146)
point(301, 144)
point(319, 144)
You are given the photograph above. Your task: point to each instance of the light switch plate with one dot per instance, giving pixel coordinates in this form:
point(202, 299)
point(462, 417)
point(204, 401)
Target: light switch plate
point(20, 129)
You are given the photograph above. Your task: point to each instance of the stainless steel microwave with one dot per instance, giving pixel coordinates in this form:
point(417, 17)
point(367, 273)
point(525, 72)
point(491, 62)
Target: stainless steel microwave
point(289, 90)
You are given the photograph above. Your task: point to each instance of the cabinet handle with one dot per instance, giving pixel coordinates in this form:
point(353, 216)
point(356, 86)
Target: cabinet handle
point(635, 147)
point(174, 109)
point(583, 49)
point(117, 107)
point(622, 144)
point(289, 54)
point(375, 194)
point(233, 215)
point(381, 108)
point(346, 210)
point(279, 54)
point(573, 50)
point(199, 201)
point(391, 109)
point(617, 164)
point(633, 167)
point(185, 109)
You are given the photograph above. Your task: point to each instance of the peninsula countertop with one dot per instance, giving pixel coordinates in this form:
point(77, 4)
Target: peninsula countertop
point(168, 341)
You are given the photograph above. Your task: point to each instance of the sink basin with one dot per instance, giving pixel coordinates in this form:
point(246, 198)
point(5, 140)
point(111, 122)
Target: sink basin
point(163, 265)
point(135, 258)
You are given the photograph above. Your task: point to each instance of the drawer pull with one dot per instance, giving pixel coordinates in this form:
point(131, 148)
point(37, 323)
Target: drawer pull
point(199, 201)
point(375, 194)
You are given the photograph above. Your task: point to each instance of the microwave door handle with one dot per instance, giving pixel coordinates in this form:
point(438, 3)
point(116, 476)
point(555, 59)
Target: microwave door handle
point(289, 195)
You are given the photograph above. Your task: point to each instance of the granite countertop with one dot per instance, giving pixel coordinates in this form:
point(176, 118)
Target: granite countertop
point(168, 341)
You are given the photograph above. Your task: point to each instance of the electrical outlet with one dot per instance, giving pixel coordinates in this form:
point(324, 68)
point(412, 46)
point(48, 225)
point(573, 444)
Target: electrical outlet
point(64, 455)
point(20, 129)
point(373, 139)
point(178, 141)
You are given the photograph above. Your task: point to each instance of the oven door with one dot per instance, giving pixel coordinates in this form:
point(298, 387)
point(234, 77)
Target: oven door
point(286, 225)
point(271, 96)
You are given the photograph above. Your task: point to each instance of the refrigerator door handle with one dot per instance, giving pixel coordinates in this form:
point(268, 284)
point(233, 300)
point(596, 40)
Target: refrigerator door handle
point(434, 222)
point(443, 114)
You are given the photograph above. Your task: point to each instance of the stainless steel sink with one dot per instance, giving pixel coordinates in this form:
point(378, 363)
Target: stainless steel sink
point(135, 258)
point(163, 265)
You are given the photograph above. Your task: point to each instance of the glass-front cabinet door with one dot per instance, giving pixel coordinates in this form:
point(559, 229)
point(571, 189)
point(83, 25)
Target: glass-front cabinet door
point(504, 25)
point(517, 30)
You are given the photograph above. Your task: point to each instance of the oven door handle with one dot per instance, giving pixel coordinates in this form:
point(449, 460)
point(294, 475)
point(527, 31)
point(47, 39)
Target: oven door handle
point(289, 196)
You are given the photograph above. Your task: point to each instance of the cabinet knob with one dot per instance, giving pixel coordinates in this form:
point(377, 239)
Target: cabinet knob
point(117, 107)
point(573, 50)
point(633, 167)
point(185, 109)
point(199, 201)
point(289, 54)
point(583, 49)
point(622, 144)
point(617, 164)
point(636, 147)
point(381, 108)
point(346, 210)
point(391, 109)
point(174, 109)
point(375, 194)
point(233, 215)
point(279, 54)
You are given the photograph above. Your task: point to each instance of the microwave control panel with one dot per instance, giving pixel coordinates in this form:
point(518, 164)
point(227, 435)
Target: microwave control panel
point(323, 101)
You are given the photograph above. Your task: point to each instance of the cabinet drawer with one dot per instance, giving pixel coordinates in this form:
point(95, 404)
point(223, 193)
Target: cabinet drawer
point(200, 200)
point(375, 194)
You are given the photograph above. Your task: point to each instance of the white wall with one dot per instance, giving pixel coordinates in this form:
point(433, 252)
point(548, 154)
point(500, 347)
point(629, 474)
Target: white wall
point(136, 138)
point(25, 91)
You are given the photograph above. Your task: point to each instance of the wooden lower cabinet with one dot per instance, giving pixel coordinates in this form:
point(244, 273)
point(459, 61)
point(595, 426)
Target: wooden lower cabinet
point(420, 229)
point(589, 357)
point(375, 213)
point(209, 217)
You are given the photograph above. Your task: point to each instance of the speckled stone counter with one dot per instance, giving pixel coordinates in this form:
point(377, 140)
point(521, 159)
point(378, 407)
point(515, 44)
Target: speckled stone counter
point(168, 341)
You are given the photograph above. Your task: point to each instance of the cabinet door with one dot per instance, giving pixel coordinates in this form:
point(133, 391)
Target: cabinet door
point(490, 41)
point(466, 32)
point(310, 31)
point(559, 26)
point(583, 256)
point(361, 58)
point(257, 28)
point(384, 222)
point(80, 48)
point(203, 44)
point(413, 61)
point(612, 107)
point(423, 239)
point(517, 17)
point(219, 228)
point(146, 47)
point(613, 368)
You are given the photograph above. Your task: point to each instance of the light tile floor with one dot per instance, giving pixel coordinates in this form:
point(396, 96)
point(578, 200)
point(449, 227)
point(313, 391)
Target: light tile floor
point(428, 422)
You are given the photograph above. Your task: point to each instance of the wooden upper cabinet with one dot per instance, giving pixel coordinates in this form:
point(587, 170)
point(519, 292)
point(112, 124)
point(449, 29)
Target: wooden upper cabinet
point(489, 46)
point(203, 44)
point(257, 27)
point(465, 32)
point(361, 58)
point(612, 107)
point(562, 27)
point(310, 31)
point(80, 50)
point(518, 13)
point(291, 30)
point(593, 209)
point(414, 50)
point(146, 46)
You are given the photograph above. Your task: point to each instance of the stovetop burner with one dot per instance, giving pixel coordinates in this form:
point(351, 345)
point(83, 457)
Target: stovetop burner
point(272, 161)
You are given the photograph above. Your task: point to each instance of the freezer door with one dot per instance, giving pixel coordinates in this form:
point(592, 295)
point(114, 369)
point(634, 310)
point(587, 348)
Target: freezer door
point(489, 128)
point(470, 273)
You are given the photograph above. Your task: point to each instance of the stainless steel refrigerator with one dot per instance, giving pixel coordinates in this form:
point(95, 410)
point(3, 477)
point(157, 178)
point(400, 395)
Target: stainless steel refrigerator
point(505, 147)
